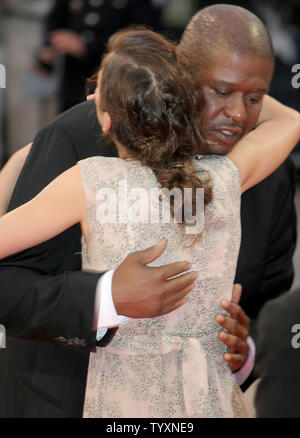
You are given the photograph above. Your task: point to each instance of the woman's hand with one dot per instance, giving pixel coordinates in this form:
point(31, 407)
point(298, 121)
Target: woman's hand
point(90, 97)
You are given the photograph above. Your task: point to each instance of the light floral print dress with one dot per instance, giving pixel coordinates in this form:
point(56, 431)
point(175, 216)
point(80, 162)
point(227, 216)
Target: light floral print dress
point(169, 366)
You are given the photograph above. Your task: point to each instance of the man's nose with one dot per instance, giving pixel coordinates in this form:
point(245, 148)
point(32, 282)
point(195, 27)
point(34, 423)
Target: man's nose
point(235, 108)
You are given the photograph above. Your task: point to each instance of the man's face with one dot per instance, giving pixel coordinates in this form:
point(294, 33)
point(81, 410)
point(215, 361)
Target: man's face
point(233, 86)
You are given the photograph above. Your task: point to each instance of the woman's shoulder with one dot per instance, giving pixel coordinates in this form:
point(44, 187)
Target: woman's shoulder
point(222, 172)
point(96, 171)
point(109, 170)
point(99, 160)
point(99, 165)
point(217, 165)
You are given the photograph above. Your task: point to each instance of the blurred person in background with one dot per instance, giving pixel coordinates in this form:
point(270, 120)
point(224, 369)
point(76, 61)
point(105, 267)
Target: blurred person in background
point(283, 21)
point(1, 81)
point(278, 358)
point(76, 32)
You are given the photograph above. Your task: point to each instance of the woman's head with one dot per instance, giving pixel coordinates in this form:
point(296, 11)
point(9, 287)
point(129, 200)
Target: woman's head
point(147, 102)
point(145, 89)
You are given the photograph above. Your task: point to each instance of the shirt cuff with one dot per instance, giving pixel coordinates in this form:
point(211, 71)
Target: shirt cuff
point(108, 317)
point(244, 372)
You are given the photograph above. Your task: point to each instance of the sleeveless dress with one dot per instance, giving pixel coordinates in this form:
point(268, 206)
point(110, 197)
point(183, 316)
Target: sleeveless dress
point(170, 366)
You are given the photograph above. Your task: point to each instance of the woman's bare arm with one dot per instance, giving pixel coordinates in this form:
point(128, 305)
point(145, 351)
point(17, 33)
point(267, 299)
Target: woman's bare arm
point(260, 152)
point(9, 175)
point(59, 206)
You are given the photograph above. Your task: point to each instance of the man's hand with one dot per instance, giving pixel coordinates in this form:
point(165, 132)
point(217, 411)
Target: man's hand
point(67, 42)
point(141, 291)
point(238, 327)
point(46, 55)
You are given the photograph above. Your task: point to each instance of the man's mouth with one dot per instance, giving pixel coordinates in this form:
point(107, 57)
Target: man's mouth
point(228, 136)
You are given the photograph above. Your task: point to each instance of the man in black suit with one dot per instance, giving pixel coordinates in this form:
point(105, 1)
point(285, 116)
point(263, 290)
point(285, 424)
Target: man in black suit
point(278, 358)
point(44, 373)
point(234, 63)
point(235, 73)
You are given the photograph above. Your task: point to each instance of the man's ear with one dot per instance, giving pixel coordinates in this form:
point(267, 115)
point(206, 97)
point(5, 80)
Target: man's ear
point(106, 123)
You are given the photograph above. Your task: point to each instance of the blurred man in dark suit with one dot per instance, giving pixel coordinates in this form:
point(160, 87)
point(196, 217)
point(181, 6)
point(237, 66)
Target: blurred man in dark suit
point(78, 31)
point(278, 358)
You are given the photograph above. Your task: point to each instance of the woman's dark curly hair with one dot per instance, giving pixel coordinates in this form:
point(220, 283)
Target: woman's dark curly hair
point(154, 107)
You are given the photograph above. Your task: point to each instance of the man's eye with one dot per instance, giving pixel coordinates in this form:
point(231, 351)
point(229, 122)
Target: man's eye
point(254, 99)
point(221, 92)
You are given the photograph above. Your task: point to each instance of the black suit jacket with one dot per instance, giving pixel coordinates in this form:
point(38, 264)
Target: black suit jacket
point(269, 232)
point(278, 358)
point(43, 295)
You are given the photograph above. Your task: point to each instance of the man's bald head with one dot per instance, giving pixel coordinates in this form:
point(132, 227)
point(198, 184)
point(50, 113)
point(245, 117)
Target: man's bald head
point(231, 56)
point(224, 27)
